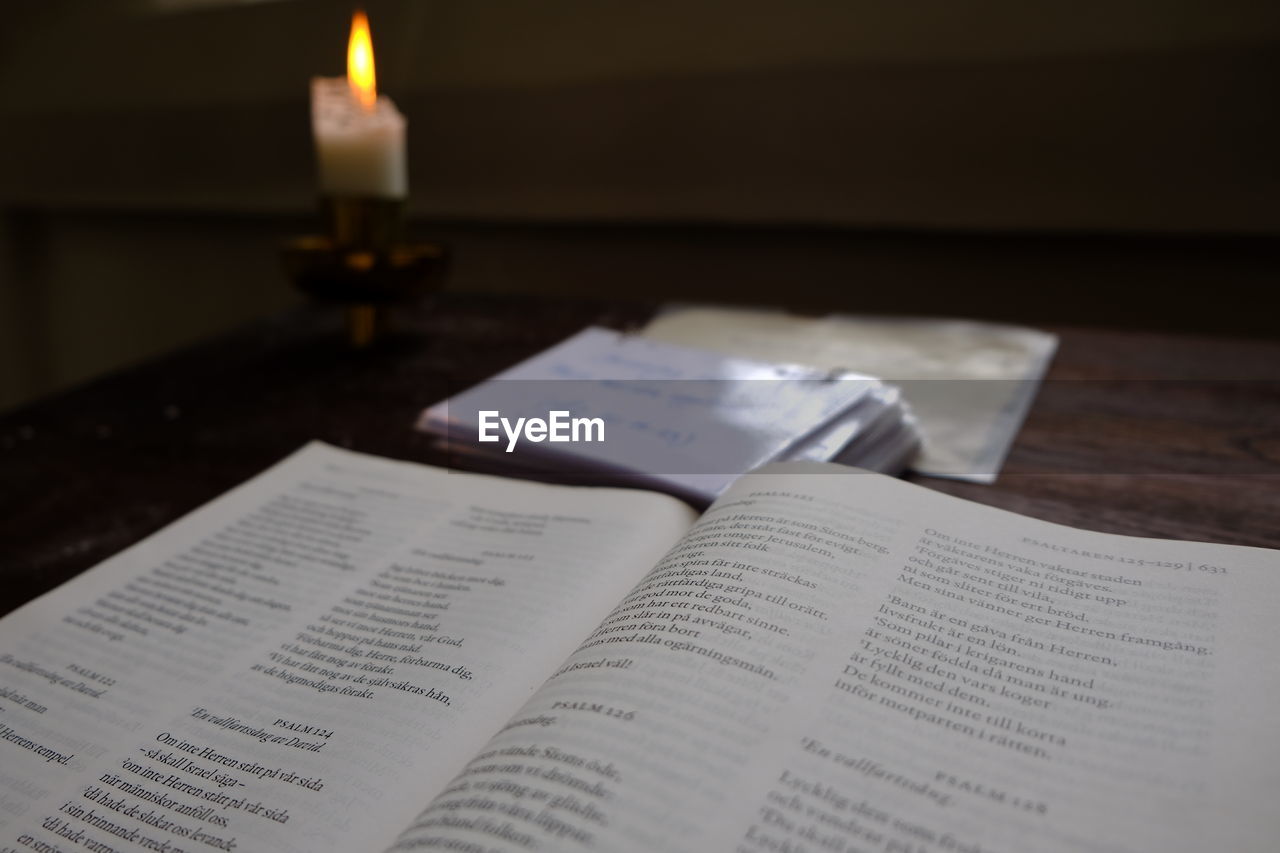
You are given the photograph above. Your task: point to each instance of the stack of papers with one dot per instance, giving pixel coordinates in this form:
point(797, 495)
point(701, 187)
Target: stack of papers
point(670, 417)
point(969, 383)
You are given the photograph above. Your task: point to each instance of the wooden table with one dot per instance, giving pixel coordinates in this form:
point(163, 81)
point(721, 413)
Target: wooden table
point(1142, 434)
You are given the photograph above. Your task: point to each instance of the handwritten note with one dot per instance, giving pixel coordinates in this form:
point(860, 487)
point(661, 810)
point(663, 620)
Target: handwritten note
point(675, 417)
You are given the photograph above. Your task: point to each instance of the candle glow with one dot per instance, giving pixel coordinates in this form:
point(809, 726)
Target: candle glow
point(360, 74)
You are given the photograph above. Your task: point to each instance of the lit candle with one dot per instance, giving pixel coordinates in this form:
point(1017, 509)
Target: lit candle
point(359, 134)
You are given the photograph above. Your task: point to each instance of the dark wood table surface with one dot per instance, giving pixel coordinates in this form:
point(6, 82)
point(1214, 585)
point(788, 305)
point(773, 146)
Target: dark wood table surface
point(1137, 433)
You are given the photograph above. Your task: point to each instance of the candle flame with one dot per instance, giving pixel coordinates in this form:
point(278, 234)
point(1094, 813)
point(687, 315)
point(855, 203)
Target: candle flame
point(360, 62)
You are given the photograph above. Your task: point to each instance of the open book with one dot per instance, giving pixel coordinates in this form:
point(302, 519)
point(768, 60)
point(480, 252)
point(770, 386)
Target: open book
point(350, 653)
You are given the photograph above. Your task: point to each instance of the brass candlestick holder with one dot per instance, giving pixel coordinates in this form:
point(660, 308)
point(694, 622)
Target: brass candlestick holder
point(364, 263)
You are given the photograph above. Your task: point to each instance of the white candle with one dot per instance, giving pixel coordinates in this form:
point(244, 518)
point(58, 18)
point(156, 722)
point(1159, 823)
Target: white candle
point(359, 134)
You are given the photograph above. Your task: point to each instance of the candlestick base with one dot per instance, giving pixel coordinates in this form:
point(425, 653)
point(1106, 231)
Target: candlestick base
point(363, 264)
point(363, 322)
point(366, 222)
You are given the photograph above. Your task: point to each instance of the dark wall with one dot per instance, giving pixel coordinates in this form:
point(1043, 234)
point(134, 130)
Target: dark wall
point(1130, 115)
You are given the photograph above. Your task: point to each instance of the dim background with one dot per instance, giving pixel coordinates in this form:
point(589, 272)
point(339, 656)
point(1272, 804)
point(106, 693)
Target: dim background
point(1051, 162)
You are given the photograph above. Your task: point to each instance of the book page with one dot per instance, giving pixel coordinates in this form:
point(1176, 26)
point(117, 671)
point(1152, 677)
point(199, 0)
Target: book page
point(840, 661)
point(302, 663)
